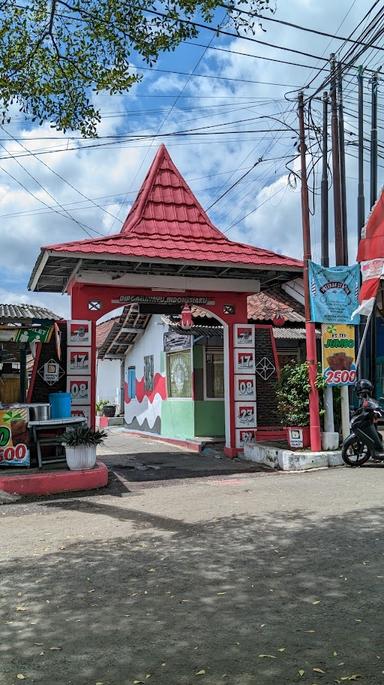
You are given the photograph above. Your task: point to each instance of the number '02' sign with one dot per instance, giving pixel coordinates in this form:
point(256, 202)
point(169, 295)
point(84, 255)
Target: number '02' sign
point(80, 389)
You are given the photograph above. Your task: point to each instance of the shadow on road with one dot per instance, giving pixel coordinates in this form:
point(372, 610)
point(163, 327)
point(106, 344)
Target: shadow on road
point(275, 600)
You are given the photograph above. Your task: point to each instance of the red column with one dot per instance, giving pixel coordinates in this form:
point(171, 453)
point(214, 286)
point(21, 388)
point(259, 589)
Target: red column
point(230, 427)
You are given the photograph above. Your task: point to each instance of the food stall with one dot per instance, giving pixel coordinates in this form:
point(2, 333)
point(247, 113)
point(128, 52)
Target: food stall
point(32, 370)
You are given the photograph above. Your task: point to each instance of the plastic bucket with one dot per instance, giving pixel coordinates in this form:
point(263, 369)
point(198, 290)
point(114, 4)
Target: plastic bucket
point(60, 403)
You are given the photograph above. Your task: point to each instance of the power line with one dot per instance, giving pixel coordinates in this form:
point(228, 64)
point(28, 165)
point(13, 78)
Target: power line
point(254, 210)
point(53, 171)
point(169, 112)
point(82, 225)
point(36, 197)
point(216, 78)
point(249, 54)
point(295, 26)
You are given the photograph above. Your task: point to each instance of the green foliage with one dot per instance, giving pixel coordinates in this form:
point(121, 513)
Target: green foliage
point(82, 435)
point(293, 394)
point(55, 55)
point(100, 404)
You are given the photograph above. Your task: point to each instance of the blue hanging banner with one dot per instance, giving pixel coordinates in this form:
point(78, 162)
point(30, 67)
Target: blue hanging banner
point(334, 293)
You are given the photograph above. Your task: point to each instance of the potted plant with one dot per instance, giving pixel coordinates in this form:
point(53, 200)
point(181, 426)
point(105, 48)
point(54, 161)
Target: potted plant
point(293, 402)
point(109, 410)
point(80, 447)
point(100, 404)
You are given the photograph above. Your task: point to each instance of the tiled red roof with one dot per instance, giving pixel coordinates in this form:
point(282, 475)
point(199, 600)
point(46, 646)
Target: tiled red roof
point(265, 306)
point(103, 329)
point(167, 222)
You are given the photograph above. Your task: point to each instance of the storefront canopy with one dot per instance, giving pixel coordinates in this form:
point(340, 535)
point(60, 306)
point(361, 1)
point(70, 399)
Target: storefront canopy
point(166, 233)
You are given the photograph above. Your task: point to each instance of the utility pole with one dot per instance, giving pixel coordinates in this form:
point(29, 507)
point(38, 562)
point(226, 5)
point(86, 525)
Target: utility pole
point(373, 198)
point(373, 189)
point(310, 330)
point(329, 421)
point(324, 187)
point(360, 188)
point(339, 249)
point(361, 368)
point(343, 189)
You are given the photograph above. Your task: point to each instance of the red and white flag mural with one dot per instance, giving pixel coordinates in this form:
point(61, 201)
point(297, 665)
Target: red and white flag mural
point(371, 257)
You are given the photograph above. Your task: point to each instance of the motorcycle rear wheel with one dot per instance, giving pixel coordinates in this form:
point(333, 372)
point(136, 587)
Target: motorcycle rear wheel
point(355, 452)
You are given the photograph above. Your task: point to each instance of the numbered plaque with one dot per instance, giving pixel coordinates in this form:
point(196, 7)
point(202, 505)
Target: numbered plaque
point(245, 387)
point(84, 412)
point(244, 335)
point(79, 361)
point(79, 333)
point(245, 437)
point(80, 389)
point(245, 414)
point(245, 360)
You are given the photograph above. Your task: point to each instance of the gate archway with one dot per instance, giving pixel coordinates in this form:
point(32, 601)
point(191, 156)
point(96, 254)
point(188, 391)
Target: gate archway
point(168, 251)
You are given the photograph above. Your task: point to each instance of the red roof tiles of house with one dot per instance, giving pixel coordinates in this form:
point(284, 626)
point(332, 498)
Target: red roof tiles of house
point(103, 329)
point(166, 222)
point(265, 306)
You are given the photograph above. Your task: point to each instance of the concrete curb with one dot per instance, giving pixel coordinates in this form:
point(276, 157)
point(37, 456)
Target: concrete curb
point(51, 482)
point(288, 460)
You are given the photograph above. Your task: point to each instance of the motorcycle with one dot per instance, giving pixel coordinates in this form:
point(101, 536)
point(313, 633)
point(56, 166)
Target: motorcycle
point(365, 441)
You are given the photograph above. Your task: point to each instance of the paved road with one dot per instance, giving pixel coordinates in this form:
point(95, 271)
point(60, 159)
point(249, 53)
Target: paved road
point(248, 579)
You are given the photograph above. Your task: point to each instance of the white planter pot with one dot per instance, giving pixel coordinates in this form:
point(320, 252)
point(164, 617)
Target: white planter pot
point(81, 457)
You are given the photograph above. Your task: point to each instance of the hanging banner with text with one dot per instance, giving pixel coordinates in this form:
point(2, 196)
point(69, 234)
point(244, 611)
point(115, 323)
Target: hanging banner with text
point(334, 293)
point(338, 353)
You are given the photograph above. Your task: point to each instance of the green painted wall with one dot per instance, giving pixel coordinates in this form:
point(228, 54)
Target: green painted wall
point(178, 419)
point(209, 418)
point(185, 419)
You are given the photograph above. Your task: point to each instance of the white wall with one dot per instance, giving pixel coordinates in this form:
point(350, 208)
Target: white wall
point(144, 411)
point(108, 380)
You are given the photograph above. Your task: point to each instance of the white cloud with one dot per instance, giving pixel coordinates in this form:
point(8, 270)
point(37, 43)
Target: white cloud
point(110, 173)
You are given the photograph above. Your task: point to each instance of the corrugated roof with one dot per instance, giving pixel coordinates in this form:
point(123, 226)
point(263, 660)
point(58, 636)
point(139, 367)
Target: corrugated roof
point(166, 222)
point(288, 333)
point(121, 333)
point(21, 312)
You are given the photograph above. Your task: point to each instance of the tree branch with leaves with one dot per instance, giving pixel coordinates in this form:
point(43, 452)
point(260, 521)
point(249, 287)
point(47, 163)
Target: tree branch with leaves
point(55, 56)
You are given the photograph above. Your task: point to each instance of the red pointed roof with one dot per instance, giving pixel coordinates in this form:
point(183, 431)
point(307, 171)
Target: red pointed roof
point(166, 205)
point(166, 222)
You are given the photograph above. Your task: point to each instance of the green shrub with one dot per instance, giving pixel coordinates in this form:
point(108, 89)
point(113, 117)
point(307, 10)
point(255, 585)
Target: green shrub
point(100, 404)
point(293, 394)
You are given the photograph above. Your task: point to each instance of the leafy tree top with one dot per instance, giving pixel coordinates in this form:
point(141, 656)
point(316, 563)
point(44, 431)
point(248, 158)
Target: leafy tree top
point(55, 54)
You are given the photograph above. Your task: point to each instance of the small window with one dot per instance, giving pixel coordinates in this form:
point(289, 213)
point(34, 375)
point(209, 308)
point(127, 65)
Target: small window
point(131, 382)
point(214, 374)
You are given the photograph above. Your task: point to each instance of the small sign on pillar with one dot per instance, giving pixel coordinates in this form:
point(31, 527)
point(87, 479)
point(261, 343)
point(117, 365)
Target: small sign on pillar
point(245, 384)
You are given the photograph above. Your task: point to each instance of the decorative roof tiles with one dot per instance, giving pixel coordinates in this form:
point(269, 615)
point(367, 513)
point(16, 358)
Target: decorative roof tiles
point(166, 222)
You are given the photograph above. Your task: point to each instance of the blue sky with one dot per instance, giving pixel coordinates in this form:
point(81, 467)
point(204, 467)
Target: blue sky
point(263, 209)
